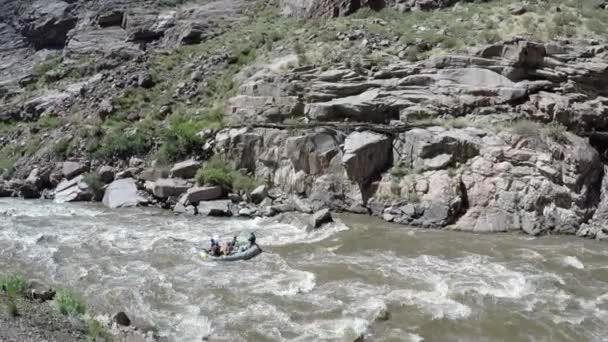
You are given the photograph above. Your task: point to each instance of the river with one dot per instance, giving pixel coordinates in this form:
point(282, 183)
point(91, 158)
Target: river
point(333, 284)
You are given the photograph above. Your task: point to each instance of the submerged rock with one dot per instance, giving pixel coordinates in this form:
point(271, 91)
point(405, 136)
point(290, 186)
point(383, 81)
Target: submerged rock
point(321, 217)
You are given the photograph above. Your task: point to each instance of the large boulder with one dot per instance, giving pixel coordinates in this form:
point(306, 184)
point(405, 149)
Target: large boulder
point(172, 187)
point(259, 194)
point(186, 169)
point(219, 208)
point(366, 154)
point(198, 194)
point(73, 190)
point(121, 193)
point(72, 169)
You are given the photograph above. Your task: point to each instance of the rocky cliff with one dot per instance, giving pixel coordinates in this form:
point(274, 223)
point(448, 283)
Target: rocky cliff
point(459, 119)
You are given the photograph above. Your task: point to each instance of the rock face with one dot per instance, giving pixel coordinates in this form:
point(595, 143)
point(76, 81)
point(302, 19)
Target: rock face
point(121, 193)
point(47, 24)
point(336, 8)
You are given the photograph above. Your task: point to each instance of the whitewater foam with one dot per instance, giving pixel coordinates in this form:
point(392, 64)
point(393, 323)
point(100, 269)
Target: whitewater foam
point(572, 261)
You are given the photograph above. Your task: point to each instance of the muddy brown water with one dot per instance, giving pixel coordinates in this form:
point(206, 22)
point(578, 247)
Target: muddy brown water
point(358, 276)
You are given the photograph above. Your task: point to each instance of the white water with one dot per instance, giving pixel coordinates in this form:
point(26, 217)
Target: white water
point(334, 284)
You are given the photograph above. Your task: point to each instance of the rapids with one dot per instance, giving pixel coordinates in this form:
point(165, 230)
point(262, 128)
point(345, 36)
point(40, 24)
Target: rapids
point(357, 276)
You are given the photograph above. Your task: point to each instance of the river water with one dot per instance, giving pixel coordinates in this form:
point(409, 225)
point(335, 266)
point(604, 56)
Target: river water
point(357, 276)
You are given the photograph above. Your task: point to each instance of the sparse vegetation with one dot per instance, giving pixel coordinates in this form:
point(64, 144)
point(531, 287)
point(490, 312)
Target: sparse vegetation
point(13, 286)
point(62, 148)
point(68, 303)
point(556, 131)
point(526, 128)
point(400, 171)
point(97, 331)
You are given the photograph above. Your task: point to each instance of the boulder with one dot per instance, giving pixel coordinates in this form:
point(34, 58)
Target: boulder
point(72, 169)
point(40, 178)
point(320, 218)
point(28, 191)
point(203, 193)
point(73, 190)
point(170, 187)
point(5, 190)
point(121, 318)
point(106, 174)
point(186, 169)
point(121, 193)
point(215, 208)
point(259, 193)
point(366, 154)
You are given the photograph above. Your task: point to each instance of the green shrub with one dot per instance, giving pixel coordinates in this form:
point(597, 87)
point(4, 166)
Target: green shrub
point(120, 144)
point(13, 285)
point(215, 172)
point(68, 303)
point(243, 183)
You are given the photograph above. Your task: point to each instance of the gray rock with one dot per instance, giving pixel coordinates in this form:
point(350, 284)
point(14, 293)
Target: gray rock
point(321, 217)
point(121, 318)
point(106, 174)
point(259, 194)
point(302, 205)
point(206, 193)
point(73, 190)
point(186, 169)
point(247, 212)
point(366, 154)
point(170, 187)
point(121, 193)
point(215, 208)
point(72, 169)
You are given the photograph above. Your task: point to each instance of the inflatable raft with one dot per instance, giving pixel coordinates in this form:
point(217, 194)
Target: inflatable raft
point(242, 254)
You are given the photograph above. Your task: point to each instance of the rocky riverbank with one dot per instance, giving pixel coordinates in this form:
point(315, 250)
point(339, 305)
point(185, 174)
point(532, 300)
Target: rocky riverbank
point(34, 312)
point(495, 137)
